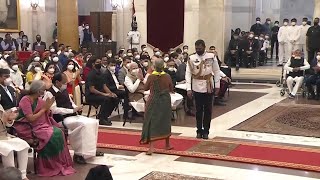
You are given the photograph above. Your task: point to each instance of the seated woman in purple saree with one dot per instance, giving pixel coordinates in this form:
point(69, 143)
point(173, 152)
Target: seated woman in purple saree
point(53, 154)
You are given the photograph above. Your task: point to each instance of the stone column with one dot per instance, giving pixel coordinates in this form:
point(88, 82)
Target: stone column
point(191, 23)
point(316, 9)
point(67, 12)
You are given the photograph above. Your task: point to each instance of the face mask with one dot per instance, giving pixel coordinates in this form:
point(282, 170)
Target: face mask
point(145, 64)
point(251, 36)
point(124, 55)
point(52, 50)
point(297, 57)
point(318, 57)
point(276, 24)
point(66, 54)
point(144, 50)
point(137, 57)
point(185, 50)
point(51, 70)
point(70, 50)
point(129, 54)
point(256, 38)
point(166, 59)
point(261, 38)
point(135, 71)
point(258, 22)
point(6, 56)
point(70, 67)
point(112, 69)
point(7, 81)
point(304, 23)
point(268, 22)
point(171, 69)
point(109, 55)
point(55, 59)
point(293, 23)
point(157, 53)
point(87, 27)
point(24, 39)
point(15, 67)
point(63, 87)
point(37, 69)
point(36, 59)
point(267, 37)
point(285, 23)
point(97, 66)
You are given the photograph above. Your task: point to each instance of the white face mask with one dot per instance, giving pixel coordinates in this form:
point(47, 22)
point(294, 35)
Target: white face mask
point(251, 35)
point(24, 40)
point(63, 87)
point(112, 69)
point(36, 59)
point(261, 38)
point(51, 70)
point(15, 67)
point(124, 55)
point(293, 23)
point(172, 69)
point(7, 81)
point(52, 50)
point(145, 64)
point(137, 57)
point(185, 50)
point(135, 71)
point(37, 69)
point(258, 22)
point(276, 24)
point(66, 54)
point(55, 59)
point(157, 53)
point(256, 37)
point(109, 55)
point(318, 57)
point(70, 67)
point(6, 56)
point(70, 50)
point(304, 23)
point(268, 22)
point(144, 49)
point(166, 59)
point(129, 54)
point(285, 23)
point(87, 27)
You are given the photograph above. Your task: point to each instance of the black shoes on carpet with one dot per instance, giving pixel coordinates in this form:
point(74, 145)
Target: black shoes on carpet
point(202, 136)
point(104, 122)
point(79, 159)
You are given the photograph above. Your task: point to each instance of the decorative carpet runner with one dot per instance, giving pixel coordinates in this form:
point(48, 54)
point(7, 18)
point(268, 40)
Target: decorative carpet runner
point(247, 152)
point(155, 175)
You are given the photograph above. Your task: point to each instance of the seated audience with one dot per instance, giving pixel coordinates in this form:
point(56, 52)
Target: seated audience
point(45, 59)
point(35, 73)
point(249, 47)
point(97, 92)
point(232, 54)
point(144, 64)
point(7, 93)
point(73, 76)
point(134, 82)
point(53, 153)
point(88, 68)
point(39, 43)
point(295, 67)
point(24, 45)
point(124, 70)
point(114, 86)
point(314, 78)
point(172, 70)
point(16, 76)
point(104, 64)
point(57, 64)
point(48, 74)
point(83, 131)
point(8, 44)
point(63, 57)
point(10, 144)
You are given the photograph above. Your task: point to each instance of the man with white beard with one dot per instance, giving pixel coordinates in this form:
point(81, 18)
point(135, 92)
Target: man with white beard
point(294, 36)
point(4, 12)
point(283, 42)
point(303, 37)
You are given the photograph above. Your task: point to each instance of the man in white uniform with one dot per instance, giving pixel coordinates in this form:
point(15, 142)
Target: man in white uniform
point(200, 83)
point(283, 42)
point(4, 11)
point(133, 36)
point(303, 37)
point(294, 36)
point(83, 131)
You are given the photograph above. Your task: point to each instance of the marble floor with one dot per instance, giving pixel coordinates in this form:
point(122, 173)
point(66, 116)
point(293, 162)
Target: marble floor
point(127, 165)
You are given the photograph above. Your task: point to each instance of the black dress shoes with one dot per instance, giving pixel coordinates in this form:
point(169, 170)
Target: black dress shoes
point(105, 122)
point(205, 136)
point(199, 135)
point(79, 159)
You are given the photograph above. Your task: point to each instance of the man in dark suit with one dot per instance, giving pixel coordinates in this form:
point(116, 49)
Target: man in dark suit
point(39, 45)
point(249, 48)
point(7, 93)
point(124, 70)
point(114, 86)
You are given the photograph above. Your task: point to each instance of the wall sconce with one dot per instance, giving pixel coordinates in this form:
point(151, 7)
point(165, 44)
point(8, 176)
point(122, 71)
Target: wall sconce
point(34, 4)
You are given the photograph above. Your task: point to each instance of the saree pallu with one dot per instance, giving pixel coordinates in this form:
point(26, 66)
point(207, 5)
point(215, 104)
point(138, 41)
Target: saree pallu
point(158, 113)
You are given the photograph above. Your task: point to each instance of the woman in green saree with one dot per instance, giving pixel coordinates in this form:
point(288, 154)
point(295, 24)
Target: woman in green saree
point(158, 112)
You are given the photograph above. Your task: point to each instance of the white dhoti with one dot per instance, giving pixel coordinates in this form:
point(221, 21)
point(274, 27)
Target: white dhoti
point(83, 134)
point(8, 146)
point(294, 89)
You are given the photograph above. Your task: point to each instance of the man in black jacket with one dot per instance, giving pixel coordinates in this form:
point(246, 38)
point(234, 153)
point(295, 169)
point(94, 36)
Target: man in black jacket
point(233, 52)
point(7, 93)
point(249, 49)
point(257, 28)
point(39, 45)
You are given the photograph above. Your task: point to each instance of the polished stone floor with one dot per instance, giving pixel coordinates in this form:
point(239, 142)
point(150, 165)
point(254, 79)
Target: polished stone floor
point(244, 102)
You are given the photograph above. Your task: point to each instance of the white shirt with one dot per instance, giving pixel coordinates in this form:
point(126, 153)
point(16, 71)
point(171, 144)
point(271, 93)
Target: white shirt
point(115, 79)
point(303, 33)
point(294, 33)
point(132, 87)
point(283, 34)
point(17, 80)
point(135, 35)
point(54, 108)
point(305, 66)
point(211, 67)
point(4, 64)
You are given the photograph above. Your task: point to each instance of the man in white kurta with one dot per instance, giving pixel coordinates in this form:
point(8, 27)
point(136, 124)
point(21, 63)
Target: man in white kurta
point(83, 131)
point(283, 42)
point(294, 32)
point(4, 11)
point(303, 37)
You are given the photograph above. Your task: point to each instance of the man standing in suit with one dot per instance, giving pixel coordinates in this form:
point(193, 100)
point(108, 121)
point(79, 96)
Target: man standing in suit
point(7, 93)
point(39, 45)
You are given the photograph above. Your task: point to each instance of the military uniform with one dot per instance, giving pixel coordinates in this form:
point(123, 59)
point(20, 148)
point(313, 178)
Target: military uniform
point(134, 39)
point(199, 79)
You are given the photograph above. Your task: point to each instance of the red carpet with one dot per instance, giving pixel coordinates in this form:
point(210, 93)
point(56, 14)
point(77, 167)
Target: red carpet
point(246, 152)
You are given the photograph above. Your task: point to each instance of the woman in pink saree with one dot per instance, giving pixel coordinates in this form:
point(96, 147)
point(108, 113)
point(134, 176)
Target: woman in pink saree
point(53, 154)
